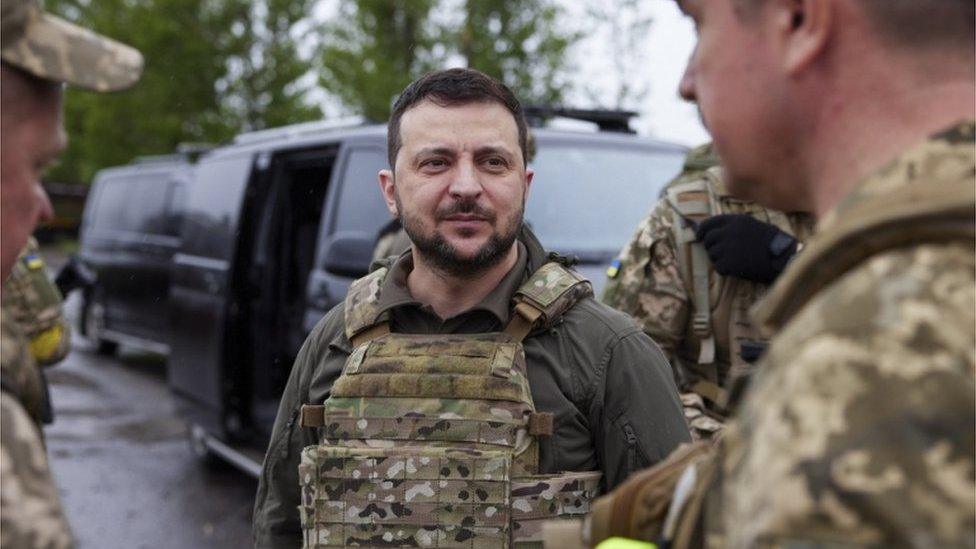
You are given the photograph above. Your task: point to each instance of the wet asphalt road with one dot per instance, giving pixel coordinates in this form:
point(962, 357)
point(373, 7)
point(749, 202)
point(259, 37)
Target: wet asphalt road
point(120, 457)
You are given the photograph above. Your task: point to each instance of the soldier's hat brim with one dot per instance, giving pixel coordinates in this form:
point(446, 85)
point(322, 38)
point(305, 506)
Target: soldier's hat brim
point(53, 49)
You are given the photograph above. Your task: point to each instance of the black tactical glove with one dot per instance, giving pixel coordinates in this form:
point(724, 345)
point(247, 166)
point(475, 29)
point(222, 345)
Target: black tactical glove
point(744, 247)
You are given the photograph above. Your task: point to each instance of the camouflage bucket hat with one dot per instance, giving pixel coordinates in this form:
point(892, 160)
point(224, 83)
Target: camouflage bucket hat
point(51, 48)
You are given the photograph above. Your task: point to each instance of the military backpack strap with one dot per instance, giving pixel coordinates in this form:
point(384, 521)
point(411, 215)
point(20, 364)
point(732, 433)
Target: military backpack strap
point(544, 297)
point(694, 201)
point(363, 319)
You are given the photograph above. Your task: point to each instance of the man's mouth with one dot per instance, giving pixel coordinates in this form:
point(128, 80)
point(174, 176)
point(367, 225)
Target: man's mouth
point(465, 218)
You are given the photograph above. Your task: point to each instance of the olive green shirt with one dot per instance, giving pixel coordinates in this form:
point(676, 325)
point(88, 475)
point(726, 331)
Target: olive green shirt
point(609, 387)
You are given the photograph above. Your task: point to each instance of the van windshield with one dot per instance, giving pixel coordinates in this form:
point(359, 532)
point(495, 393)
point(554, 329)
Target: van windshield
point(588, 200)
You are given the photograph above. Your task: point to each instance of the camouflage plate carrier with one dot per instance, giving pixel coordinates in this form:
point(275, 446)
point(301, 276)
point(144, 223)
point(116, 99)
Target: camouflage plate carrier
point(720, 316)
point(432, 440)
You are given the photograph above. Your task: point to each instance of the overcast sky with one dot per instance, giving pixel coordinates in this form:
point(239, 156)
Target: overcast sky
point(656, 62)
point(659, 66)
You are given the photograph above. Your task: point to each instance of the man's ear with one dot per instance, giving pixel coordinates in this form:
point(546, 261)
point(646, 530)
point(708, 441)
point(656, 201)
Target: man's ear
point(529, 174)
point(388, 190)
point(803, 29)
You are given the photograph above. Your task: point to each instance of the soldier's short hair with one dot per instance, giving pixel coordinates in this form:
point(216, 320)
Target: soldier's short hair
point(453, 87)
point(913, 23)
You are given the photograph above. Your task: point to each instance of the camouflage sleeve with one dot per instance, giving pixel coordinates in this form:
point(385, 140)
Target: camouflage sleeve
point(648, 284)
point(276, 520)
point(859, 428)
point(30, 513)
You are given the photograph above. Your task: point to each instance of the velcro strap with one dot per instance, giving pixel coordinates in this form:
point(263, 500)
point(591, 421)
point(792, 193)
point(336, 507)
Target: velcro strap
point(312, 415)
point(551, 496)
point(540, 424)
point(370, 334)
point(523, 320)
point(452, 386)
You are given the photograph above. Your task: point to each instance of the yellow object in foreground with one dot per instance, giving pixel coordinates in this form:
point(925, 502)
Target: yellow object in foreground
point(625, 543)
point(45, 344)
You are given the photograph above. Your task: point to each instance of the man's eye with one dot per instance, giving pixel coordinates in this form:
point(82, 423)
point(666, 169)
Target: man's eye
point(433, 163)
point(495, 163)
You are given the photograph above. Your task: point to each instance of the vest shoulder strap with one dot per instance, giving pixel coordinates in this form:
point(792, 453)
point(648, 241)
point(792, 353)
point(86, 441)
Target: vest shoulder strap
point(693, 201)
point(362, 314)
point(551, 291)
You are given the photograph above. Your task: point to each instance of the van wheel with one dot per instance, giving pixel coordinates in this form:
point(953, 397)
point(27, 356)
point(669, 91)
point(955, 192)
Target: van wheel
point(93, 325)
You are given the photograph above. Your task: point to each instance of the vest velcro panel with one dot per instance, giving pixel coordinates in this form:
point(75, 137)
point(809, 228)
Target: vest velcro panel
point(423, 497)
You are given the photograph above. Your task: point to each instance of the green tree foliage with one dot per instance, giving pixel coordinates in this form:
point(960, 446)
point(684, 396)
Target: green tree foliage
point(212, 67)
point(373, 48)
point(517, 42)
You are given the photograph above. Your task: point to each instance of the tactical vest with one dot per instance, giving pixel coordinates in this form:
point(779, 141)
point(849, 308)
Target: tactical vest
point(432, 440)
point(720, 305)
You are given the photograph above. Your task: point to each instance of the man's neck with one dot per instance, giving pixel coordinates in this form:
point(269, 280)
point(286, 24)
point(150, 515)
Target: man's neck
point(856, 138)
point(450, 295)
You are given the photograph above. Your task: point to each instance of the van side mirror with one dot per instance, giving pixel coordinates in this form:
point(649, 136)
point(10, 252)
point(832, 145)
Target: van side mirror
point(349, 256)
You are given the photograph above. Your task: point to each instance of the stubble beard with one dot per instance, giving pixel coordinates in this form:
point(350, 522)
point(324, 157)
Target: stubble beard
point(443, 256)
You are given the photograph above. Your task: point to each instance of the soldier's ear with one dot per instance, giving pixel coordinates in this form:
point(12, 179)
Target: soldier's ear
point(803, 28)
point(388, 190)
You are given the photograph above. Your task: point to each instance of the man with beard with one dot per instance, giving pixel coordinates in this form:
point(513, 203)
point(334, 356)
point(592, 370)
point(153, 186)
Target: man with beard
point(474, 348)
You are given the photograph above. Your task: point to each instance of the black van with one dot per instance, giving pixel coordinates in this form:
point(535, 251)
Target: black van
point(279, 223)
point(129, 233)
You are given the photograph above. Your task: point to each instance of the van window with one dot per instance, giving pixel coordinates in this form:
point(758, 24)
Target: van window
point(110, 203)
point(145, 201)
point(132, 203)
point(212, 203)
point(361, 208)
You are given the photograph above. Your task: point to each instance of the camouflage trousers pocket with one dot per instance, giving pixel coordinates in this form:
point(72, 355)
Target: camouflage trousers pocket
point(542, 498)
point(405, 497)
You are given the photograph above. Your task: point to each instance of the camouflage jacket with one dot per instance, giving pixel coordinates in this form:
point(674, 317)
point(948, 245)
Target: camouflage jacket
point(858, 428)
point(35, 304)
point(607, 385)
point(30, 513)
point(650, 283)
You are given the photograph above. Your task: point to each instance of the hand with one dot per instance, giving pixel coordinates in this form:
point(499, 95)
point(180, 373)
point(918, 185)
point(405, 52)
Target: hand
point(740, 245)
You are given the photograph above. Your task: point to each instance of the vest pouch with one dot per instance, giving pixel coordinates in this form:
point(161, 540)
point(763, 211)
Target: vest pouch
point(405, 497)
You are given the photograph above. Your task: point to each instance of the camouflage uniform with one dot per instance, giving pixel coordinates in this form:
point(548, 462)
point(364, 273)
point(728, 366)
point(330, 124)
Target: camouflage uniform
point(35, 304)
point(859, 427)
point(52, 49)
point(665, 280)
point(31, 514)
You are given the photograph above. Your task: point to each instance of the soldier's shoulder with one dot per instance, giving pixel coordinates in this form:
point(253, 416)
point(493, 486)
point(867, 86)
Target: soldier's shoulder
point(596, 322)
point(899, 313)
point(330, 331)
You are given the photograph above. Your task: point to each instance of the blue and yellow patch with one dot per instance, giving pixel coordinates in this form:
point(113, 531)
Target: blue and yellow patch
point(33, 262)
point(614, 269)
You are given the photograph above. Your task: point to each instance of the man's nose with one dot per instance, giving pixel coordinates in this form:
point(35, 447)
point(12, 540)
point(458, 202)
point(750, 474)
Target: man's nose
point(465, 181)
point(45, 211)
point(686, 87)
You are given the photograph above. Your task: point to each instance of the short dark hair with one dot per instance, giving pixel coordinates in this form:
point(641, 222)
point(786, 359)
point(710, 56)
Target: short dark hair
point(453, 87)
point(914, 23)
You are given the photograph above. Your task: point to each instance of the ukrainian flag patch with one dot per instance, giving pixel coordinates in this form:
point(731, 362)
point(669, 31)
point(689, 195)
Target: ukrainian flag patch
point(614, 269)
point(33, 262)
